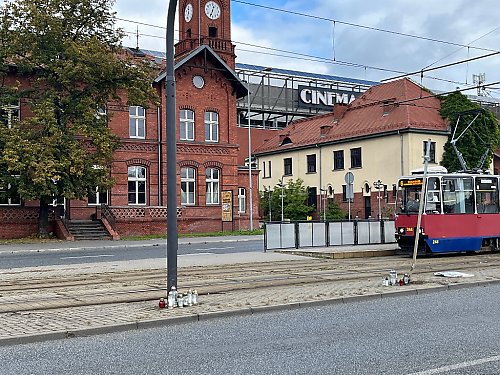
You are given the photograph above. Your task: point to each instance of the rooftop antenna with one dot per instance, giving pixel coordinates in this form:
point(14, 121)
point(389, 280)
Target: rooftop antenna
point(479, 80)
point(137, 38)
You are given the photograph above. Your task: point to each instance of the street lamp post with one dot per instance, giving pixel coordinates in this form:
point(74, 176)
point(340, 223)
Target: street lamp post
point(270, 205)
point(250, 200)
point(378, 185)
point(250, 187)
point(282, 185)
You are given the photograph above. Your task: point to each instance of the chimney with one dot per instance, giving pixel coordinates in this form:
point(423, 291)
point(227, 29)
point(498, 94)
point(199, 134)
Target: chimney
point(338, 111)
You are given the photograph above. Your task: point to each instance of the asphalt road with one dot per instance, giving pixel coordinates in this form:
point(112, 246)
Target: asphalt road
point(120, 253)
point(452, 332)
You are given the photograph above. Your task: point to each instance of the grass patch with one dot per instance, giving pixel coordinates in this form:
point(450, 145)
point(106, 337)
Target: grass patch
point(29, 240)
point(209, 234)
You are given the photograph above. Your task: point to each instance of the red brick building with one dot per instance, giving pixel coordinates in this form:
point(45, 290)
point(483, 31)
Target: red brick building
point(209, 156)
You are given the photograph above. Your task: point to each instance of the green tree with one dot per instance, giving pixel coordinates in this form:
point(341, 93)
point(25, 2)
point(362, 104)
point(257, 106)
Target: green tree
point(334, 212)
point(483, 135)
point(68, 63)
point(294, 201)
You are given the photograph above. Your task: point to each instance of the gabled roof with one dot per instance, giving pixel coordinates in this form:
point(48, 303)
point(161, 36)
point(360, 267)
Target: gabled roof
point(230, 74)
point(400, 105)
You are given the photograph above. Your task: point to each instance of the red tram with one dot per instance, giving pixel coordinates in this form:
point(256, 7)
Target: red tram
point(460, 212)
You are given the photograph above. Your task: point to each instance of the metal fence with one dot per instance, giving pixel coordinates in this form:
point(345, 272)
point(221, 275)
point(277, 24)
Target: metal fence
point(288, 235)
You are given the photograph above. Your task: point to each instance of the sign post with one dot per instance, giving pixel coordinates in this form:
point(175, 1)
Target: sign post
point(349, 179)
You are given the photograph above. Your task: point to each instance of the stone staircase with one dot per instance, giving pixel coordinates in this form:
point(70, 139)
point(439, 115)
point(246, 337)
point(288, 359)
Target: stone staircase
point(88, 230)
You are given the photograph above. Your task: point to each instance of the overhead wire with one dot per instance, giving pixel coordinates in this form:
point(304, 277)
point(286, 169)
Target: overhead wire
point(303, 56)
point(358, 25)
point(340, 62)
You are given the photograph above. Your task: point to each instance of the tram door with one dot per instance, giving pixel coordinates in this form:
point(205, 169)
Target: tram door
point(368, 207)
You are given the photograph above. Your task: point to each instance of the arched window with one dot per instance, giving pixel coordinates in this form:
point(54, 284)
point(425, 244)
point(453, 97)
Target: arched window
point(211, 126)
point(212, 185)
point(188, 186)
point(186, 119)
point(136, 185)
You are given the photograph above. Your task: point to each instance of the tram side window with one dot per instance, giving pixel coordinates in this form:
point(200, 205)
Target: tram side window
point(458, 195)
point(487, 195)
point(433, 203)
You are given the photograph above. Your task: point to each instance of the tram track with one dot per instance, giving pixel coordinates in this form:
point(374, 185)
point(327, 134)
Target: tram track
point(41, 292)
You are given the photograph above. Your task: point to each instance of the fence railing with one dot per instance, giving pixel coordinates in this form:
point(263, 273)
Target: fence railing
point(288, 235)
point(107, 213)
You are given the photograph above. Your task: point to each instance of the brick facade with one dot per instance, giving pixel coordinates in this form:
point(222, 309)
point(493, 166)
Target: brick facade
point(210, 56)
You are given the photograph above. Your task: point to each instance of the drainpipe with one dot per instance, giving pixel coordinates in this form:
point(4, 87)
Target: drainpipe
point(160, 168)
point(401, 149)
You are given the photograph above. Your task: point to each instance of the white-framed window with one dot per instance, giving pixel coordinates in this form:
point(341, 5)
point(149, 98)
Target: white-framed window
point(188, 186)
point(137, 122)
point(8, 196)
point(186, 125)
point(212, 184)
point(136, 185)
point(211, 126)
point(9, 114)
point(242, 199)
point(97, 197)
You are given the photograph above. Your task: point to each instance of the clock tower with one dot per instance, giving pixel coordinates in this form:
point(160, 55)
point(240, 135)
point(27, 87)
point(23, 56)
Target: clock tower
point(205, 22)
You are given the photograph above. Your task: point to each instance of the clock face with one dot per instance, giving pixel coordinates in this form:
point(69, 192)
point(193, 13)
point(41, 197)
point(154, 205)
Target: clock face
point(212, 10)
point(188, 12)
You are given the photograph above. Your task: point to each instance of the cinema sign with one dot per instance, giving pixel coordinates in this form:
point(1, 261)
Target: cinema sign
point(324, 98)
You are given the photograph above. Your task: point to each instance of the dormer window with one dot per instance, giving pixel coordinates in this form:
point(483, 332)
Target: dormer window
point(286, 141)
point(212, 32)
point(388, 106)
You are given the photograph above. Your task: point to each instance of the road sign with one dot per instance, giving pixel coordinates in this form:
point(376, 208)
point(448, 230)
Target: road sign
point(349, 192)
point(349, 178)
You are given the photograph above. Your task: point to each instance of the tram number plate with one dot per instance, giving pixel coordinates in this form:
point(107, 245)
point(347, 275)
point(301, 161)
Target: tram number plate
point(409, 229)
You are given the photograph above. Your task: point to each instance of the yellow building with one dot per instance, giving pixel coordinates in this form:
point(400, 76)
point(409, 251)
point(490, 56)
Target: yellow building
point(375, 139)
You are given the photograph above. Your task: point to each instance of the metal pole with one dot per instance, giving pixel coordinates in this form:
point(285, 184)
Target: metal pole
point(420, 207)
point(349, 204)
point(282, 196)
point(249, 156)
point(172, 235)
point(270, 205)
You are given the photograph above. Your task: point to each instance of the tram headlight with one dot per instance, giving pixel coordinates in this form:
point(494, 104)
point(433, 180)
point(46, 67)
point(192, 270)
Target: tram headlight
point(401, 230)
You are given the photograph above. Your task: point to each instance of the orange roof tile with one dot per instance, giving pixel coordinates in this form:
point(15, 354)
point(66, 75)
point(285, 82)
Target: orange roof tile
point(406, 105)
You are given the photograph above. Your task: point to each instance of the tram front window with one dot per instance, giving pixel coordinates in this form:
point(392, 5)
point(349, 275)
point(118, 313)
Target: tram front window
point(409, 200)
point(433, 199)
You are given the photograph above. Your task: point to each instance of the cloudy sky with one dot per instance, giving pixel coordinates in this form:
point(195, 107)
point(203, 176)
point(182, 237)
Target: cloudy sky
point(302, 35)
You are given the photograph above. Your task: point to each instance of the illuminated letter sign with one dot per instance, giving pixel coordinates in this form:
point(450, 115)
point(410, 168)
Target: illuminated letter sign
point(324, 98)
